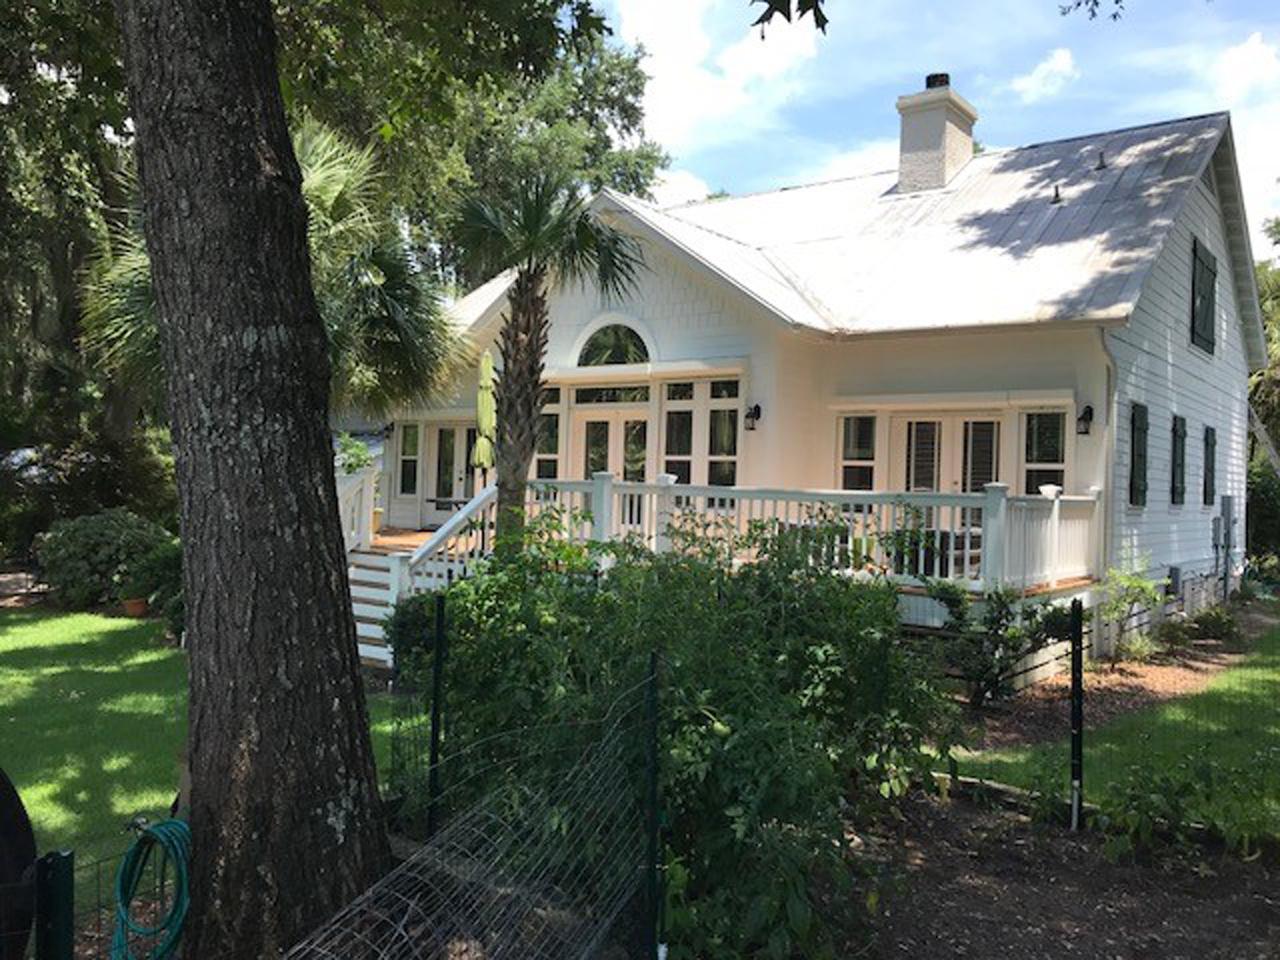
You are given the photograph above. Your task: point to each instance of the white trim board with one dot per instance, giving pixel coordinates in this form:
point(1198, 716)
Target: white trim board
point(951, 401)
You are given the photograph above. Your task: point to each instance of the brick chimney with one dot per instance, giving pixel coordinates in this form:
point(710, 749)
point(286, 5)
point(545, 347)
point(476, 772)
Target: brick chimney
point(937, 135)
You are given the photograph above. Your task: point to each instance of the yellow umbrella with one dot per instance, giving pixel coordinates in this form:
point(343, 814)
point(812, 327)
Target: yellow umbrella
point(486, 415)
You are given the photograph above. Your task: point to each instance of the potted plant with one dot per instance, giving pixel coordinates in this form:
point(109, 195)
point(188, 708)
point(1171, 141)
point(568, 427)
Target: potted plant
point(152, 580)
point(135, 593)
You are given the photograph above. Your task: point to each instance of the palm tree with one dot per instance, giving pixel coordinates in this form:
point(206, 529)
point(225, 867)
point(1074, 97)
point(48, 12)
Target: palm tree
point(390, 343)
point(545, 232)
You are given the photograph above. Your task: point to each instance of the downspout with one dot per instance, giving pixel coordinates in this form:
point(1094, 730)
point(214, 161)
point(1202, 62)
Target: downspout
point(1110, 487)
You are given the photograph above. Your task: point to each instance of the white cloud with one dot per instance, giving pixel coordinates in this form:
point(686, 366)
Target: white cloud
point(1245, 79)
point(1249, 67)
point(871, 156)
point(678, 186)
point(1048, 78)
point(705, 93)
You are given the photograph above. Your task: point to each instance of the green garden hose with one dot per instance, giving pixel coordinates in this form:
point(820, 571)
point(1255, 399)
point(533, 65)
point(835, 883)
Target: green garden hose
point(173, 839)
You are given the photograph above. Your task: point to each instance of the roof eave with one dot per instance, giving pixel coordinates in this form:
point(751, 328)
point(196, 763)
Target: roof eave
point(637, 215)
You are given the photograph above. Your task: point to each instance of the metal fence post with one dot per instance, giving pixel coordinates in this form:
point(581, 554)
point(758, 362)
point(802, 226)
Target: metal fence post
point(437, 695)
point(653, 884)
point(55, 906)
point(1077, 713)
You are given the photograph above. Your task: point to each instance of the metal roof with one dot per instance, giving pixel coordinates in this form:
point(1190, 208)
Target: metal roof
point(1052, 232)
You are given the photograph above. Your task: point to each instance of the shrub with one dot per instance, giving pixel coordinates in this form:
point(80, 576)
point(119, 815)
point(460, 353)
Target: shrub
point(985, 653)
point(1138, 648)
point(787, 702)
point(1215, 623)
point(410, 632)
point(1148, 809)
point(353, 455)
point(157, 576)
point(1173, 632)
point(82, 476)
point(86, 559)
point(1124, 593)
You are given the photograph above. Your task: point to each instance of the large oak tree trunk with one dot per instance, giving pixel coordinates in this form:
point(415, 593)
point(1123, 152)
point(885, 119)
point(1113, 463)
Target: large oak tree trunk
point(522, 345)
point(284, 804)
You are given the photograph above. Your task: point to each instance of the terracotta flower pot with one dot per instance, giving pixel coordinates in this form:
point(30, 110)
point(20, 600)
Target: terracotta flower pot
point(135, 607)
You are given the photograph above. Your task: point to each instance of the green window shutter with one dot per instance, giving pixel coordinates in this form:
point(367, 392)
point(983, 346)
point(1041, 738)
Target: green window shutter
point(1210, 466)
point(1204, 282)
point(1178, 466)
point(1138, 455)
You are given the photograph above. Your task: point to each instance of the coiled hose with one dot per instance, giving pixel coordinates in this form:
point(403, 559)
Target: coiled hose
point(173, 839)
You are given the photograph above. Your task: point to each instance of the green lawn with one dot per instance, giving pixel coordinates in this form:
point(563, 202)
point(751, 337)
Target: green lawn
point(1233, 721)
point(92, 722)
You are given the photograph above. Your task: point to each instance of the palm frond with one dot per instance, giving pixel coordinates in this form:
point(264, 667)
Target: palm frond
point(390, 342)
point(119, 331)
point(390, 339)
point(546, 222)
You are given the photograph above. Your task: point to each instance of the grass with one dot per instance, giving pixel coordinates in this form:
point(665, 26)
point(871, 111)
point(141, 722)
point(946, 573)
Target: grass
point(1234, 721)
point(93, 717)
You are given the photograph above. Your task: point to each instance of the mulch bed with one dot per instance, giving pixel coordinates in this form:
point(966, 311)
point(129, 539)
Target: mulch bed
point(966, 879)
point(1042, 713)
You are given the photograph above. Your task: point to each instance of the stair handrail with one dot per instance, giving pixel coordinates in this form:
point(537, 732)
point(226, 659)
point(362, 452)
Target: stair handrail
point(455, 525)
point(356, 494)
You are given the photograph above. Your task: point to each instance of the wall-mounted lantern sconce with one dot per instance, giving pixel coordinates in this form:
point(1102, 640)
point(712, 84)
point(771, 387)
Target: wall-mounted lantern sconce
point(1085, 420)
point(753, 416)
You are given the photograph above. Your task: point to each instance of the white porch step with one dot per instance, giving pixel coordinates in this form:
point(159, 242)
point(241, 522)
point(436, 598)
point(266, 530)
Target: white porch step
point(369, 576)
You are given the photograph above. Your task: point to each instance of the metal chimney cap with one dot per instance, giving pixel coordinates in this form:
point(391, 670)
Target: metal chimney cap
point(935, 80)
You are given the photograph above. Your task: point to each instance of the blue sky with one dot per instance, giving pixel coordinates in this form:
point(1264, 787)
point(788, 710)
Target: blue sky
point(740, 113)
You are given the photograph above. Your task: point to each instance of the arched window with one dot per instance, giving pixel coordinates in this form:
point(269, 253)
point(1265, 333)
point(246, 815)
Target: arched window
point(615, 343)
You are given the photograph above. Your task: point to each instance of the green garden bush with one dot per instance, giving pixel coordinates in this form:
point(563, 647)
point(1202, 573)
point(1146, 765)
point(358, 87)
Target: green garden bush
point(157, 576)
point(787, 706)
point(86, 560)
point(985, 650)
point(409, 631)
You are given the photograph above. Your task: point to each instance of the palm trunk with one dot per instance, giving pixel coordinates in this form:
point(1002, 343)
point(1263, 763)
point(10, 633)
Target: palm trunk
point(518, 395)
point(284, 806)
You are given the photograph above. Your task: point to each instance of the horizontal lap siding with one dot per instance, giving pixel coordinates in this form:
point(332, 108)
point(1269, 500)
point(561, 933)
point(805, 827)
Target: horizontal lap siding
point(1157, 365)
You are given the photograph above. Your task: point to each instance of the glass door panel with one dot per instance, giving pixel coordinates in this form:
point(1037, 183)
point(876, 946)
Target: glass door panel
point(924, 456)
point(595, 447)
point(634, 449)
point(444, 467)
point(981, 455)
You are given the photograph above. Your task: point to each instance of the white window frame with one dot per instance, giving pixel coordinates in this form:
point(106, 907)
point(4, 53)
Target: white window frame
point(559, 410)
point(700, 408)
point(1068, 448)
point(842, 461)
point(401, 458)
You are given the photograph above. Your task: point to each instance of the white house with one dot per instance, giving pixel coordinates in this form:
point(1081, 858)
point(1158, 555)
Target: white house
point(1037, 356)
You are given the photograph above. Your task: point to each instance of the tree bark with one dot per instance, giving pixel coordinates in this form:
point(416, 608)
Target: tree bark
point(284, 807)
point(522, 345)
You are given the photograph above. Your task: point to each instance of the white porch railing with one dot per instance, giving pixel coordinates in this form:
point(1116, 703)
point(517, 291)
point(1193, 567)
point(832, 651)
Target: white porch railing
point(978, 539)
point(453, 550)
point(355, 506)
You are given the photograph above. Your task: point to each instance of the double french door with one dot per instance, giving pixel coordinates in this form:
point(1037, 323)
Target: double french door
point(612, 440)
point(450, 481)
point(946, 453)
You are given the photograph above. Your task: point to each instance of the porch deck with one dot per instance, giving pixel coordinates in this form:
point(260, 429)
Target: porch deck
point(400, 539)
point(1044, 546)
